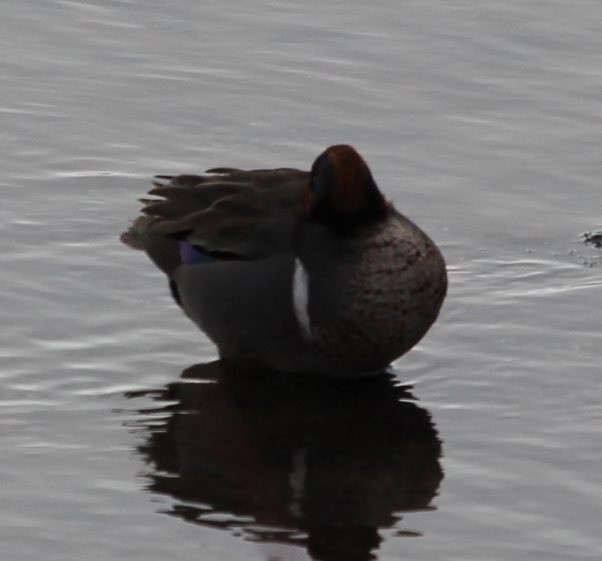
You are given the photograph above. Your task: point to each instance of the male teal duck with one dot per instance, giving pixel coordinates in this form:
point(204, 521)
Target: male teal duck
point(295, 271)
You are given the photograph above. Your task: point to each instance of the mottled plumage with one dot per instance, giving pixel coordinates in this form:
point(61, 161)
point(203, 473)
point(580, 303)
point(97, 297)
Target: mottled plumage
point(297, 271)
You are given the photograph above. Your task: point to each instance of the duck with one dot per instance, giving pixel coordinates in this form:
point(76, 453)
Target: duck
point(292, 270)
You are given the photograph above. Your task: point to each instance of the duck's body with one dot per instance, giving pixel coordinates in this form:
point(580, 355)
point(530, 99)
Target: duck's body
point(296, 271)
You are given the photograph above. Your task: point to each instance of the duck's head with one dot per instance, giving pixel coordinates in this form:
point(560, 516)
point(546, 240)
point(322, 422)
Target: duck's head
point(341, 192)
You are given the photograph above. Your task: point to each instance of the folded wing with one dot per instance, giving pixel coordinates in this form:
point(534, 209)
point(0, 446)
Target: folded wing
point(228, 213)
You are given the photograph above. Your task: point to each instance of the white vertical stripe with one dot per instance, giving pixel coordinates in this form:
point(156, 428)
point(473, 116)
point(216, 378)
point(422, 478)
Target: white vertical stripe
point(301, 298)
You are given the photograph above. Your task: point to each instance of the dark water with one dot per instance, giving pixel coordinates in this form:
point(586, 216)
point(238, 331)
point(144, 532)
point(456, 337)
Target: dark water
point(122, 439)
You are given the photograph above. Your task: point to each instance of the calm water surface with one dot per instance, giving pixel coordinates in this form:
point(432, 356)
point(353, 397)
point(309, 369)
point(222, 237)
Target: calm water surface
point(122, 438)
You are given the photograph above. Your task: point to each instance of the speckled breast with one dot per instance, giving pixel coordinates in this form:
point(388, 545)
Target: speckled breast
point(388, 299)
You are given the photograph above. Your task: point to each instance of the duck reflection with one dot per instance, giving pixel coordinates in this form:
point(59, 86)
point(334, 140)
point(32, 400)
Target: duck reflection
point(323, 463)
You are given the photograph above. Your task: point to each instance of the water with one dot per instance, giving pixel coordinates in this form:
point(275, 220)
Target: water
point(481, 122)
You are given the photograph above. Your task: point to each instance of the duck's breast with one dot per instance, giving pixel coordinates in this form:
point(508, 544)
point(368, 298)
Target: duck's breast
point(373, 297)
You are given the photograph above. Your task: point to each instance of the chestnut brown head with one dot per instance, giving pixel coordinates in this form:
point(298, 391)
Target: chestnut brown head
point(342, 192)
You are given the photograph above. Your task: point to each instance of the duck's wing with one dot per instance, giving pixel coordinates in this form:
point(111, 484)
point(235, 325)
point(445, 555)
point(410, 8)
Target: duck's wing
point(226, 213)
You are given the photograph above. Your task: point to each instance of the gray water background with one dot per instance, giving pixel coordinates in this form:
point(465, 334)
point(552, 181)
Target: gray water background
point(481, 121)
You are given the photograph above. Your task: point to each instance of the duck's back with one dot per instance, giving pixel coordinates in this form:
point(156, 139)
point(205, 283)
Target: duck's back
point(227, 213)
